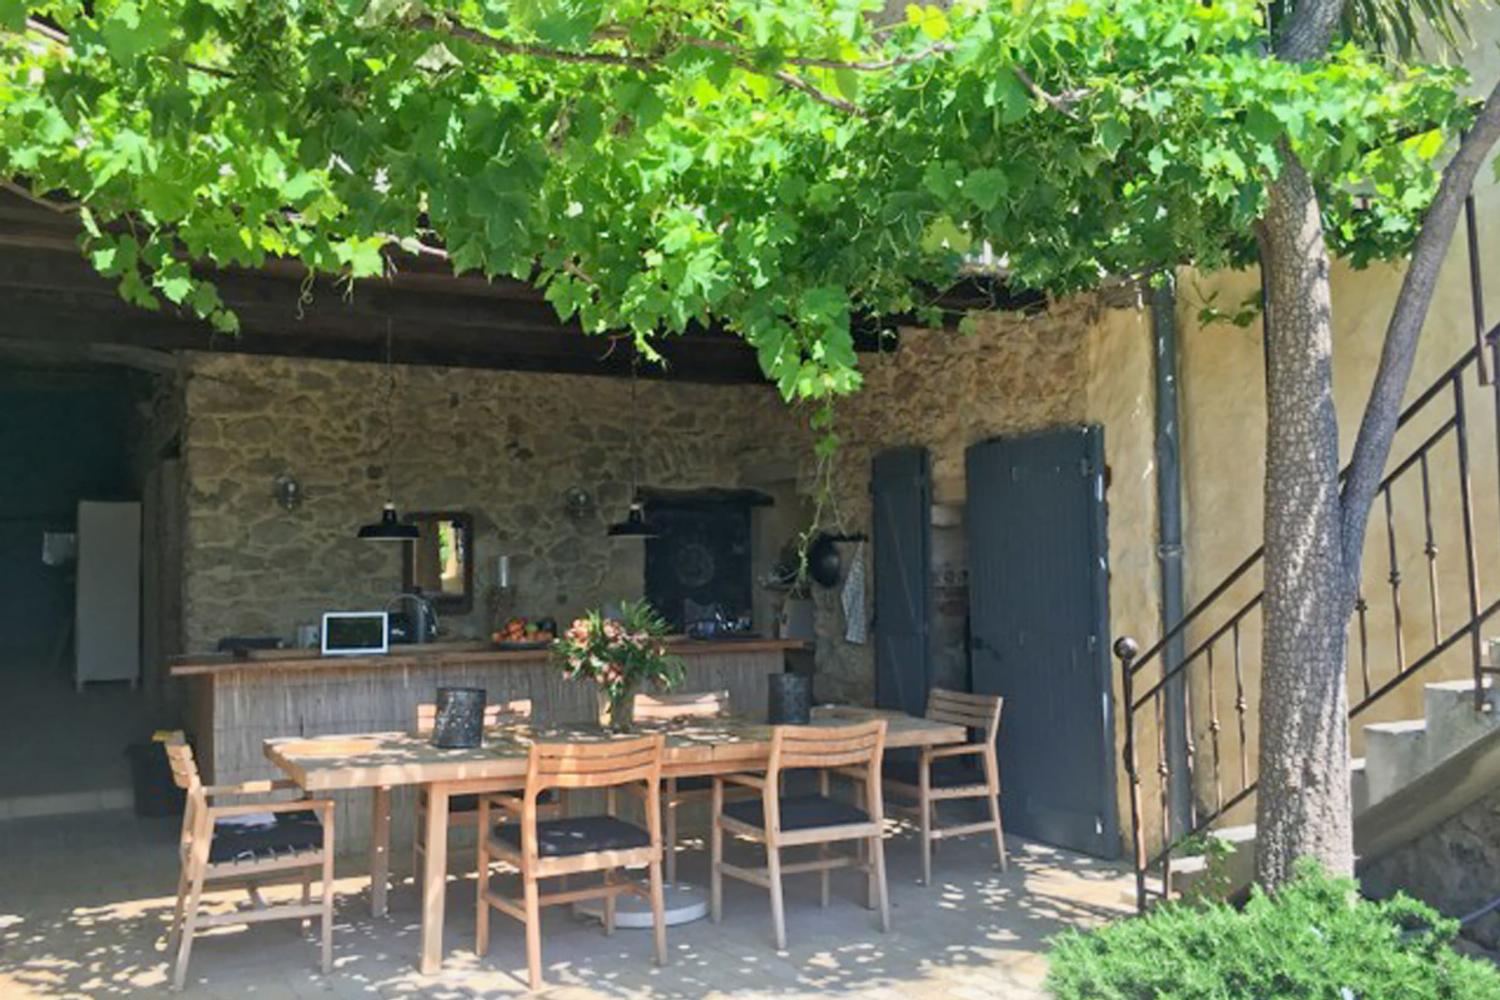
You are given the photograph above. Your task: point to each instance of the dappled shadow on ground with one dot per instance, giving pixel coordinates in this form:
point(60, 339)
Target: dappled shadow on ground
point(85, 904)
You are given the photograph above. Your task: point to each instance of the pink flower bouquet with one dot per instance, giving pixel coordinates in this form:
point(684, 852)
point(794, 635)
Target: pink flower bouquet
point(620, 655)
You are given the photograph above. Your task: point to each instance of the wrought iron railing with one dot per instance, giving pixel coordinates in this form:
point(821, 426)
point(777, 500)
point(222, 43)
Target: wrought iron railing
point(1218, 639)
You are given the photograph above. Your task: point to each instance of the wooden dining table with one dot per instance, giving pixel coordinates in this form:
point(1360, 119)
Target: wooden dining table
point(382, 761)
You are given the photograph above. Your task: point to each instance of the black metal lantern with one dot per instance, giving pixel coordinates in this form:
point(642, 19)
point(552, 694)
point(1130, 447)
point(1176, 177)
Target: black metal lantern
point(790, 699)
point(460, 718)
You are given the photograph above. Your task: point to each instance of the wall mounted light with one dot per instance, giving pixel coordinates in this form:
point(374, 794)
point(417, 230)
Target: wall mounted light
point(577, 503)
point(287, 491)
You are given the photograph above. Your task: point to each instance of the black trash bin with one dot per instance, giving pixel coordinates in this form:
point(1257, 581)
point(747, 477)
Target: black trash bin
point(156, 794)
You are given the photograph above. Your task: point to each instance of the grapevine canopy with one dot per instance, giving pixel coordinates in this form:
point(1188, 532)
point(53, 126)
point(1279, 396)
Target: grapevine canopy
point(651, 163)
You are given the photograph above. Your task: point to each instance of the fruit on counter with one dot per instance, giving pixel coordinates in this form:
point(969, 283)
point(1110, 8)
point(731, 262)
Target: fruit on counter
point(525, 630)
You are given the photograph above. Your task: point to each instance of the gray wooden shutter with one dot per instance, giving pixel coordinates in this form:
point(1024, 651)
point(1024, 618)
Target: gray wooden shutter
point(1038, 618)
point(901, 490)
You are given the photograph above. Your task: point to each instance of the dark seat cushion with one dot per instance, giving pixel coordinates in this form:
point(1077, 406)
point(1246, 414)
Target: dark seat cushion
point(470, 803)
point(798, 812)
point(558, 838)
point(697, 783)
point(262, 836)
point(947, 772)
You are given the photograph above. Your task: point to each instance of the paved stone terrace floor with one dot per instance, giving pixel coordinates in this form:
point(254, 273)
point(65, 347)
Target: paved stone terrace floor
point(85, 903)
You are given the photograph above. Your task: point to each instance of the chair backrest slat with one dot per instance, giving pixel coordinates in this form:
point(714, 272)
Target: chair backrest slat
point(697, 705)
point(960, 708)
point(826, 746)
point(495, 713)
point(603, 764)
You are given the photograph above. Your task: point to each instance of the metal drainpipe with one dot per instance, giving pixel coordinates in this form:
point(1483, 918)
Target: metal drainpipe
point(1169, 539)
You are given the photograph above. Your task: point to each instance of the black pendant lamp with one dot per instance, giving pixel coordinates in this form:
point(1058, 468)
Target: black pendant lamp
point(635, 524)
point(389, 528)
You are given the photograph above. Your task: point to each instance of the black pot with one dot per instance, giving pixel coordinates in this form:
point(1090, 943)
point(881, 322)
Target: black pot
point(790, 699)
point(460, 718)
point(824, 561)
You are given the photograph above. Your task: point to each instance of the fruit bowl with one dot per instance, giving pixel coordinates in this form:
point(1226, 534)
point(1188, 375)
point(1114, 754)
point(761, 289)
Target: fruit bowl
point(522, 633)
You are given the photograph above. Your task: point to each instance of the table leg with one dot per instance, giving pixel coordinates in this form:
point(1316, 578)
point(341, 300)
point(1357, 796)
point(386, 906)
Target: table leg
point(380, 848)
point(434, 878)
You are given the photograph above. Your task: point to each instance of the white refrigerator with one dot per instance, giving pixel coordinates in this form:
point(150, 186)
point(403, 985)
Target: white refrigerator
point(107, 623)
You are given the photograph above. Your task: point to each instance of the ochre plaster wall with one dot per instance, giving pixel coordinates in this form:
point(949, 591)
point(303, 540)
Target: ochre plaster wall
point(1223, 421)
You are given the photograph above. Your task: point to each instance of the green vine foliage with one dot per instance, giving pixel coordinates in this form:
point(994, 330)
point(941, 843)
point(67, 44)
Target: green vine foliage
point(651, 164)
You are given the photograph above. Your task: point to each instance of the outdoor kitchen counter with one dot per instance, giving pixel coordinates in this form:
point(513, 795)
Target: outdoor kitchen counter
point(236, 703)
point(439, 654)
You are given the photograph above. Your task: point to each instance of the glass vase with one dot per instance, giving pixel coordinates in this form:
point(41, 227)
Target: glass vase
point(621, 711)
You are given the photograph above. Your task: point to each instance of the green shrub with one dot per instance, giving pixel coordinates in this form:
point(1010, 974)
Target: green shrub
point(1315, 939)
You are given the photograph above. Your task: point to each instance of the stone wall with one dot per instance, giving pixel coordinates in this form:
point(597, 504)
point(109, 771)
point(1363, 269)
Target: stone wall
point(1451, 867)
point(504, 445)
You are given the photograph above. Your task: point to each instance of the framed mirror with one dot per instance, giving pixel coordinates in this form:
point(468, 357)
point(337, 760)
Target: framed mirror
point(441, 562)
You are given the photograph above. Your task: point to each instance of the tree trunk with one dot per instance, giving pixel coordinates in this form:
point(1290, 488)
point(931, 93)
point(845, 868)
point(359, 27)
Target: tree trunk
point(1303, 802)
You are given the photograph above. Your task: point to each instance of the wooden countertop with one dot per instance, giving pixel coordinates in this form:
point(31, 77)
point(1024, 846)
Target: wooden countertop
point(438, 654)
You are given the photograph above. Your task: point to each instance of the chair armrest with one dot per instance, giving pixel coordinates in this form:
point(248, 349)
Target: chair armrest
point(262, 787)
point(748, 780)
point(324, 806)
point(963, 750)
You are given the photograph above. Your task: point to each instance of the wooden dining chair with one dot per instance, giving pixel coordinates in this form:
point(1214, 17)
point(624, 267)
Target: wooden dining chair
point(682, 791)
point(242, 843)
point(949, 773)
point(463, 810)
point(780, 821)
point(541, 849)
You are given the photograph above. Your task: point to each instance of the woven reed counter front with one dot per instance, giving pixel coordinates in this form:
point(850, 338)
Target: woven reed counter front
point(235, 704)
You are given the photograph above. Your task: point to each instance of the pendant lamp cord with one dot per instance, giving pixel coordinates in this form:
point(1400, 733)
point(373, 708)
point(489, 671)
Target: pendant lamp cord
point(635, 432)
point(388, 452)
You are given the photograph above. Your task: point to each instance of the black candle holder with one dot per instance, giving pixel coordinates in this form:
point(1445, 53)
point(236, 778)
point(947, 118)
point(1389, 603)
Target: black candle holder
point(460, 718)
point(790, 699)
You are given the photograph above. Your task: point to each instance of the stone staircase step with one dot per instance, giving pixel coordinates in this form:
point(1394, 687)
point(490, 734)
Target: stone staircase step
point(1359, 786)
point(1451, 719)
point(1396, 753)
point(1238, 865)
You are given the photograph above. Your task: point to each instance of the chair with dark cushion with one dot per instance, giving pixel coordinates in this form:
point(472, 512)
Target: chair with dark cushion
point(946, 774)
point(540, 849)
point(561, 838)
point(241, 843)
point(780, 821)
